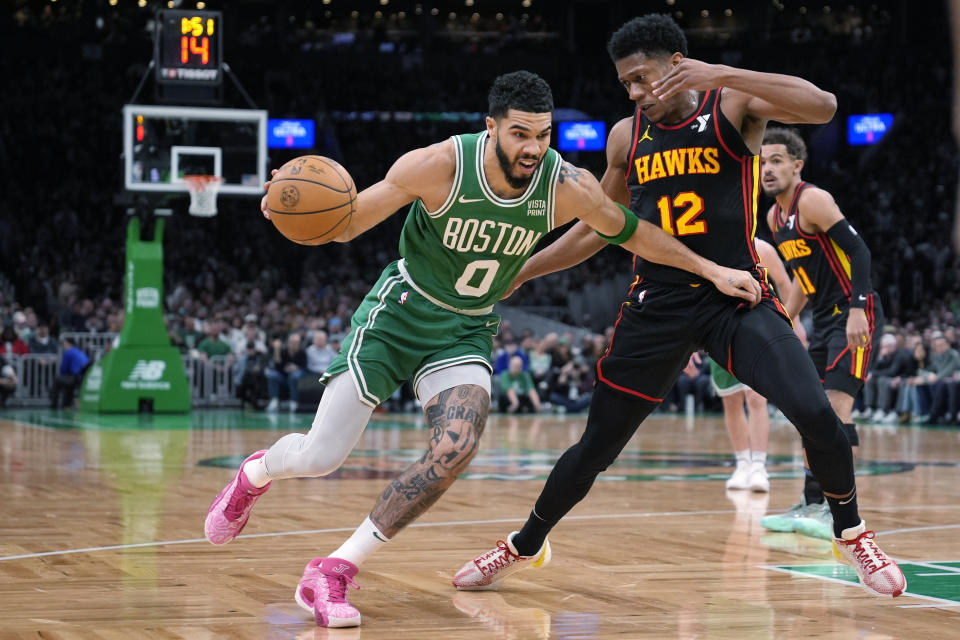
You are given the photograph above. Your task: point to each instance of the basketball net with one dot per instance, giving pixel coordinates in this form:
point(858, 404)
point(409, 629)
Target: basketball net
point(203, 194)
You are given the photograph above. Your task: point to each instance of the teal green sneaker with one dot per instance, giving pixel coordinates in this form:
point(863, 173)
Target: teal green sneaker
point(816, 524)
point(785, 522)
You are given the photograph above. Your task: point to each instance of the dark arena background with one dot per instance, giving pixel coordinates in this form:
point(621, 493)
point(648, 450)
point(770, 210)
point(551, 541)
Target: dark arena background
point(138, 337)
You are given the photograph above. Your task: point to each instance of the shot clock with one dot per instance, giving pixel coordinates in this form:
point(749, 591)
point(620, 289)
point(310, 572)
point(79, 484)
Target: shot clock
point(189, 48)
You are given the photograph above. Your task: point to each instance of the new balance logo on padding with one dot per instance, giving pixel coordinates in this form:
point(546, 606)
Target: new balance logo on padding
point(148, 370)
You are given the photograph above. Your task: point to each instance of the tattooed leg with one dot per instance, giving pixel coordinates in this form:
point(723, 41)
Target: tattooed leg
point(457, 417)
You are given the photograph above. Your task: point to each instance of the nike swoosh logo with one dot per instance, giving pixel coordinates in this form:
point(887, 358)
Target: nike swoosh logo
point(847, 501)
point(375, 535)
point(466, 200)
point(863, 297)
point(490, 323)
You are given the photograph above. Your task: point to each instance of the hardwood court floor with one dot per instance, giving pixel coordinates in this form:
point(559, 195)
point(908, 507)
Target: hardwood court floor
point(102, 516)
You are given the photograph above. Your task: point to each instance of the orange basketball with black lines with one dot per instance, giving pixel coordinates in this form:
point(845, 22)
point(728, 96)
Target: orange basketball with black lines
point(311, 200)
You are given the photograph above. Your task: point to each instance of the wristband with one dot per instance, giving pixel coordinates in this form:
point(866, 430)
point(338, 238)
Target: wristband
point(630, 222)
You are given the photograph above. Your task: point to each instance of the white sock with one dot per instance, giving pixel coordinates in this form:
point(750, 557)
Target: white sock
point(759, 457)
point(256, 472)
point(366, 540)
point(742, 457)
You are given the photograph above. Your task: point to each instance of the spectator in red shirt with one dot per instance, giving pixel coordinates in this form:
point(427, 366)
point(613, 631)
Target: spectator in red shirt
point(11, 344)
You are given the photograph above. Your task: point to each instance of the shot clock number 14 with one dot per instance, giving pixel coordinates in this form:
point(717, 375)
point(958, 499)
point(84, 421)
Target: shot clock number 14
point(189, 47)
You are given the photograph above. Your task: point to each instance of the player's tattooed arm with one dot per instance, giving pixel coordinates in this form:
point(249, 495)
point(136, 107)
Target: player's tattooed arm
point(457, 417)
point(569, 172)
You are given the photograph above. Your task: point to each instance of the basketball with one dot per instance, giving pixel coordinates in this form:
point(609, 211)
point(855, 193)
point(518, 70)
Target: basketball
point(311, 200)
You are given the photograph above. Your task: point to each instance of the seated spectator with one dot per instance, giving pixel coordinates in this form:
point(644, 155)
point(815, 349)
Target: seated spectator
point(249, 331)
point(41, 342)
point(540, 361)
point(72, 365)
point(8, 381)
point(914, 398)
point(517, 392)
point(319, 354)
point(21, 326)
point(943, 370)
point(11, 344)
point(571, 388)
point(249, 374)
point(287, 367)
point(213, 344)
point(510, 349)
point(695, 381)
point(189, 336)
point(882, 384)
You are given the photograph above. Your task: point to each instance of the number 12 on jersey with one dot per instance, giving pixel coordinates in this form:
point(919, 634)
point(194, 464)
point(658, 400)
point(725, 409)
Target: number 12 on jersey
point(689, 206)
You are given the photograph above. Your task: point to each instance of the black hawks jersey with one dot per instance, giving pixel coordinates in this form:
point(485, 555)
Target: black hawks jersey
point(821, 267)
point(699, 182)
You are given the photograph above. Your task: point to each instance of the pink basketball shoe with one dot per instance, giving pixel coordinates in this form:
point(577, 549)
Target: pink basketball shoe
point(486, 571)
point(323, 592)
point(230, 510)
point(878, 573)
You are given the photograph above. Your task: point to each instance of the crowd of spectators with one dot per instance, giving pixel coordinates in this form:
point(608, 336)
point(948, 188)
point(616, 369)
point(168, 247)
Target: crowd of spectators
point(234, 287)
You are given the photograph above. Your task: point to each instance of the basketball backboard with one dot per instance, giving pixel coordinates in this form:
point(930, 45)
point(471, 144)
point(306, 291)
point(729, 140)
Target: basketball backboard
point(161, 144)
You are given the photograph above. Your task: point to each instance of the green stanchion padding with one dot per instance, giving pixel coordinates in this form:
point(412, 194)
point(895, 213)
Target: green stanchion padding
point(144, 366)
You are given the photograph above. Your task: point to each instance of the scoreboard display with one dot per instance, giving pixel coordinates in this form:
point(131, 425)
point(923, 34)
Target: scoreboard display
point(188, 47)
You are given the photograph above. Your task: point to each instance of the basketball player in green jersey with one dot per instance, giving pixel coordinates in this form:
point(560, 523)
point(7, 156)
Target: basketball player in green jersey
point(480, 203)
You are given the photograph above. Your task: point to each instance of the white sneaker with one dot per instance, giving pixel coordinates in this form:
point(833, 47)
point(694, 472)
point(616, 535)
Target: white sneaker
point(741, 476)
point(486, 571)
point(292, 406)
point(759, 480)
point(878, 415)
point(856, 413)
point(878, 573)
point(890, 417)
point(273, 405)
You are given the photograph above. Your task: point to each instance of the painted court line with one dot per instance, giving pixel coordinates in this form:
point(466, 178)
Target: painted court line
point(942, 570)
point(452, 523)
point(800, 574)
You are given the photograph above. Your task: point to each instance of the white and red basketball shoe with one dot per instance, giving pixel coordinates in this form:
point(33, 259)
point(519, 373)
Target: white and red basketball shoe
point(488, 570)
point(878, 573)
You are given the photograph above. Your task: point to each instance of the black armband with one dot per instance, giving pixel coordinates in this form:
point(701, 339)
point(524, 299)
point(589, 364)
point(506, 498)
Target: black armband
point(846, 237)
point(630, 222)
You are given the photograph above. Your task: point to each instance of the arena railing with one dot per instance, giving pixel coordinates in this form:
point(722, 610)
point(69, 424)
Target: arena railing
point(94, 344)
point(210, 380)
point(35, 374)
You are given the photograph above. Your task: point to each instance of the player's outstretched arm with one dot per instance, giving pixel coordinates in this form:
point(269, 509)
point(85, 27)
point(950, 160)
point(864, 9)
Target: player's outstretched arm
point(580, 242)
point(570, 249)
point(765, 96)
point(425, 173)
point(580, 195)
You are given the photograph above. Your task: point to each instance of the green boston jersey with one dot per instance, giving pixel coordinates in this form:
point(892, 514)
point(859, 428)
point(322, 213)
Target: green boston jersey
point(464, 255)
